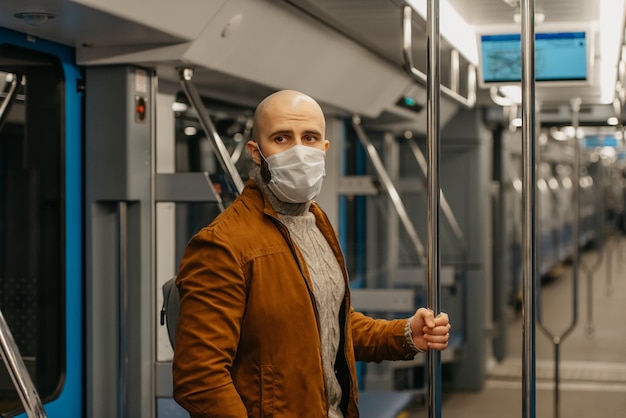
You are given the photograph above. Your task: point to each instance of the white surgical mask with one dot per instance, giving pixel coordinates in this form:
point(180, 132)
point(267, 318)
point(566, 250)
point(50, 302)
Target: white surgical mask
point(297, 173)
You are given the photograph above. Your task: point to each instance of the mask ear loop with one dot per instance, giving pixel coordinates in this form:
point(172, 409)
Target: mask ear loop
point(260, 152)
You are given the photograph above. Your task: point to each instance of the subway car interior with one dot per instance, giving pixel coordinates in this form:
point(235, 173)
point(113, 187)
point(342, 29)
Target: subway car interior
point(123, 127)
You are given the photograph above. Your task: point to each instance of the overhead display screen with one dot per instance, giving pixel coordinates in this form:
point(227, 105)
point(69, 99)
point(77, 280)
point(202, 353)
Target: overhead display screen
point(559, 56)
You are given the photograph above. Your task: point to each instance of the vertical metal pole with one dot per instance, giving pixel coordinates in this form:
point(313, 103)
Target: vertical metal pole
point(529, 267)
point(609, 264)
point(153, 210)
point(433, 77)
point(575, 103)
point(123, 309)
point(590, 271)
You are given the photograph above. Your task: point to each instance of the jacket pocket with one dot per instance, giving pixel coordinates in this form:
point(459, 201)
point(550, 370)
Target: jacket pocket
point(267, 392)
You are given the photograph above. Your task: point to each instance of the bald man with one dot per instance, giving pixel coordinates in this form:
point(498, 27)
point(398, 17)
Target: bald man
point(266, 328)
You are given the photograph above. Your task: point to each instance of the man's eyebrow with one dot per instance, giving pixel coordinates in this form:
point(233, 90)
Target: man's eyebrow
point(280, 132)
point(290, 132)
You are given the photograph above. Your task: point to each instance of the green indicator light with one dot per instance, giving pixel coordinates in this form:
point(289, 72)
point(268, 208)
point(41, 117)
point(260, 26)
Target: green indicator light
point(409, 101)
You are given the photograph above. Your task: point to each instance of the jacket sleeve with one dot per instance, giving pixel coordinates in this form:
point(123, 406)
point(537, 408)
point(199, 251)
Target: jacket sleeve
point(379, 339)
point(212, 303)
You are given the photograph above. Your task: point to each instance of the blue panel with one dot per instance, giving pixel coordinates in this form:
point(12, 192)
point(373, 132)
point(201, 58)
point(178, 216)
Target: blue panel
point(69, 403)
point(559, 56)
point(593, 141)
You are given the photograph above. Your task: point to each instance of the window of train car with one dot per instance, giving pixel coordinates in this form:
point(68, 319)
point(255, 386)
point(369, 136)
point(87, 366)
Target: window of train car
point(32, 254)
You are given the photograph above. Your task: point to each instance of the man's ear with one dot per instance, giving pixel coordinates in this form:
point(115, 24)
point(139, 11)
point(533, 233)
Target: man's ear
point(253, 150)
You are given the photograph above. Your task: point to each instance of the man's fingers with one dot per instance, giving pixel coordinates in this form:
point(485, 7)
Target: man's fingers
point(442, 319)
point(440, 330)
point(427, 316)
point(437, 342)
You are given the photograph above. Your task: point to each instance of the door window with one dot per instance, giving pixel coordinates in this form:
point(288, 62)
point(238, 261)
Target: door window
point(32, 248)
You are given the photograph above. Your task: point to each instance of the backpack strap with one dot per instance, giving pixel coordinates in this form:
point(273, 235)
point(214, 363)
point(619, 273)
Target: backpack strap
point(171, 306)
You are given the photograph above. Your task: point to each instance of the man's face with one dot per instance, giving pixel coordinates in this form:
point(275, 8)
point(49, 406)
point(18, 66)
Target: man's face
point(285, 120)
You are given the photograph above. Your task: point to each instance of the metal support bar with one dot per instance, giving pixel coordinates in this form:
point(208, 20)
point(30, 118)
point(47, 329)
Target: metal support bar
point(434, 263)
point(8, 100)
point(18, 372)
point(529, 266)
point(242, 142)
point(577, 196)
point(445, 206)
point(455, 62)
point(558, 339)
point(122, 213)
point(387, 184)
point(186, 74)
point(612, 245)
point(590, 272)
point(407, 53)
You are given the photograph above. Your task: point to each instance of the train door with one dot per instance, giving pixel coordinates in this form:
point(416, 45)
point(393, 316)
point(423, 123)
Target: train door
point(41, 220)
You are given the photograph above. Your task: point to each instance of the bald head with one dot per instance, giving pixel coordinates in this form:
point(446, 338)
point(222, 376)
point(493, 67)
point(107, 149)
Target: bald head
point(285, 101)
point(284, 119)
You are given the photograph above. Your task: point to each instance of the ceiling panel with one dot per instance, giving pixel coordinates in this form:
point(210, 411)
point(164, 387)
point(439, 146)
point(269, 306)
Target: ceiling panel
point(492, 12)
point(376, 24)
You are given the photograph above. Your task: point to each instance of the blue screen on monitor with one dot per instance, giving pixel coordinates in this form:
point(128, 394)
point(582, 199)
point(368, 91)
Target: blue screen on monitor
point(559, 56)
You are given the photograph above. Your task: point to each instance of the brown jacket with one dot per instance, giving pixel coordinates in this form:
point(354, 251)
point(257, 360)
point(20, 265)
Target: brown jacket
point(248, 342)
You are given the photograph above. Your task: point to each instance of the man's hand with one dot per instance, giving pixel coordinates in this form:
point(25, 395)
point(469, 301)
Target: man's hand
point(430, 332)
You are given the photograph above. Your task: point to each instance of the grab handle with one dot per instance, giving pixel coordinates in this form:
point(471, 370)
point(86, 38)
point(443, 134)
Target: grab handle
point(18, 372)
point(407, 54)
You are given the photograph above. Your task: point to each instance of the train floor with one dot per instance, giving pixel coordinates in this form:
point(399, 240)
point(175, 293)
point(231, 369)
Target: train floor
point(592, 366)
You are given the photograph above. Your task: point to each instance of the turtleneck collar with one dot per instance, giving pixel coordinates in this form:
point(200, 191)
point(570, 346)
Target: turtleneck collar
point(282, 208)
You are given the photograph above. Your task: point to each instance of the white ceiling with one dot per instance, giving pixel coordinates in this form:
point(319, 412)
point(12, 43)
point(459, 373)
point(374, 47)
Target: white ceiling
point(490, 12)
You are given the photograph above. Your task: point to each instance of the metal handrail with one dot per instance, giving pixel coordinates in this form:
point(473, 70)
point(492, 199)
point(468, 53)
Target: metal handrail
point(186, 74)
point(245, 137)
point(5, 106)
point(407, 54)
point(19, 374)
point(389, 187)
point(445, 206)
point(558, 339)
